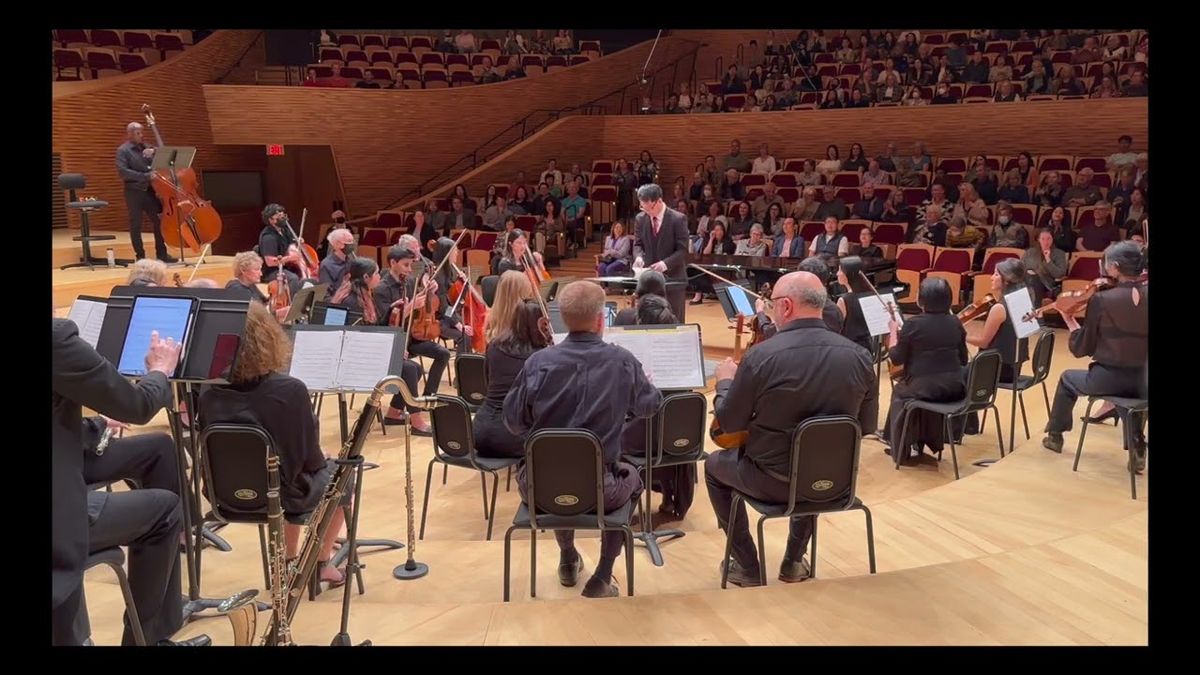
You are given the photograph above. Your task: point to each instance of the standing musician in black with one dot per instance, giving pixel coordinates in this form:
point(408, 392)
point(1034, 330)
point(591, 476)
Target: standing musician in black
point(933, 350)
point(275, 246)
point(661, 244)
point(1114, 333)
point(818, 373)
point(133, 163)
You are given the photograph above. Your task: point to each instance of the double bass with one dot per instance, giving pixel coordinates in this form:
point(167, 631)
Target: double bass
point(187, 219)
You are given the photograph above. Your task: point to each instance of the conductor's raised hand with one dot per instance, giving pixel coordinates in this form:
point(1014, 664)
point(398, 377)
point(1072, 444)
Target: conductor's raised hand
point(163, 355)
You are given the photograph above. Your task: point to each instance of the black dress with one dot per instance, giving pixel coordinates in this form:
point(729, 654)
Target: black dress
point(933, 350)
point(854, 328)
point(492, 438)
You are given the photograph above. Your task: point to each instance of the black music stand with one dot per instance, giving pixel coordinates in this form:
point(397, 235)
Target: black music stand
point(172, 158)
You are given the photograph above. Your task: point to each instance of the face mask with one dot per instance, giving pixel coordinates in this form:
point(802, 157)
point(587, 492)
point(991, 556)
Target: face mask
point(1004, 220)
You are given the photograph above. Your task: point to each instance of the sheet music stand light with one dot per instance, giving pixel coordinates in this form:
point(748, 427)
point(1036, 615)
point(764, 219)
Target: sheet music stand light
point(77, 181)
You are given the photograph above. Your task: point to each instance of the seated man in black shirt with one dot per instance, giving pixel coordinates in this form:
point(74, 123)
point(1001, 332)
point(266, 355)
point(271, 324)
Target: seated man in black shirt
point(258, 393)
point(819, 373)
point(277, 248)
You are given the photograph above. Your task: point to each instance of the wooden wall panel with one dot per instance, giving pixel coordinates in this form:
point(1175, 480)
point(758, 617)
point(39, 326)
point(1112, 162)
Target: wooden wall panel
point(679, 142)
point(388, 142)
point(89, 117)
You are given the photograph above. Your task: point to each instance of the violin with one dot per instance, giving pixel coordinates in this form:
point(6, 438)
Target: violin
point(187, 219)
point(1070, 302)
point(976, 309)
point(756, 327)
point(425, 323)
point(278, 292)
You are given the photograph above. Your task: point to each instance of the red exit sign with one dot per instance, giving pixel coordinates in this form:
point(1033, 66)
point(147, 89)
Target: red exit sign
point(275, 150)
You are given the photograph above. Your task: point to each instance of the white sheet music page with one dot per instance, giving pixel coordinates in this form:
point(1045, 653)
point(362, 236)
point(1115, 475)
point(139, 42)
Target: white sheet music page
point(669, 356)
point(315, 357)
point(365, 359)
point(876, 313)
point(88, 316)
point(1019, 304)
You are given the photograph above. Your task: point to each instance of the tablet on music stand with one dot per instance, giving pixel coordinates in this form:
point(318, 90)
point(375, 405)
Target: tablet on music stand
point(170, 317)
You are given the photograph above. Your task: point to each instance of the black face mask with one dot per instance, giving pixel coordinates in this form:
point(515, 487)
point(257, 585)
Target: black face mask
point(339, 220)
point(348, 249)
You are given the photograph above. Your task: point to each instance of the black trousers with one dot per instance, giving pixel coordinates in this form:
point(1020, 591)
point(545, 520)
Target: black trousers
point(677, 297)
point(410, 372)
point(147, 520)
point(924, 427)
point(724, 472)
point(621, 484)
point(441, 358)
point(138, 202)
point(1097, 380)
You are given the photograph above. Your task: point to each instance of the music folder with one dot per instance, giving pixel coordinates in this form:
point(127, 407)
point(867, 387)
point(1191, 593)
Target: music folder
point(345, 358)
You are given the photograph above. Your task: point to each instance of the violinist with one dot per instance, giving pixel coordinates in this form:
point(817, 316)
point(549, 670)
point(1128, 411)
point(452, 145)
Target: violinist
point(277, 247)
point(358, 293)
point(1114, 333)
point(1045, 264)
point(147, 273)
point(819, 373)
point(932, 348)
point(514, 333)
point(998, 332)
point(247, 274)
point(452, 327)
point(333, 267)
point(854, 324)
point(134, 160)
point(395, 295)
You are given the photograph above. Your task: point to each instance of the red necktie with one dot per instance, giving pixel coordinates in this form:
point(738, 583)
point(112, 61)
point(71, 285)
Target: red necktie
point(654, 221)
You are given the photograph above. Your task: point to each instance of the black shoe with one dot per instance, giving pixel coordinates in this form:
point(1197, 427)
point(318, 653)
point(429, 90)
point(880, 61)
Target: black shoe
point(1110, 415)
point(600, 588)
point(568, 573)
point(793, 571)
point(1053, 442)
point(422, 432)
point(198, 641)
point(168, 259)
point(395, 421)
point(1139, 459)
point(741, 577)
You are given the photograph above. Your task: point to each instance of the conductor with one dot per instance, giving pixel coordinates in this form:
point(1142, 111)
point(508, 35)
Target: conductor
point(661, 244)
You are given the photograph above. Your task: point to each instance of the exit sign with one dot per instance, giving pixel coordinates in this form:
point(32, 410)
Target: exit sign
point(275, 150)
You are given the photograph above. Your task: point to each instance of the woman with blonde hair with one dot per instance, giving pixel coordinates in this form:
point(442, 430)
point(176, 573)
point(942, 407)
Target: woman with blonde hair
point(147, 272)
point(513, 289)
point(260, 393)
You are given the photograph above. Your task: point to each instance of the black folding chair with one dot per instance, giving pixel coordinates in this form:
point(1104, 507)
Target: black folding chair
point(823, 479)
point(454, 445)
point(684, 414)
point(1130, 405)
point(1043, 353)
point(234, 464)
point(115, 559)
point(565, 473)
point(983, 378)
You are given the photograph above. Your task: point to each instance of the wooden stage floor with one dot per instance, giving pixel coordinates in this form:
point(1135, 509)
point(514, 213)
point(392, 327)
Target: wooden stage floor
point(1024, 552)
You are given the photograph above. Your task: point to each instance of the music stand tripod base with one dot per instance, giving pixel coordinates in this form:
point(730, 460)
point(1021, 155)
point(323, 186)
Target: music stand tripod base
point(410, 570)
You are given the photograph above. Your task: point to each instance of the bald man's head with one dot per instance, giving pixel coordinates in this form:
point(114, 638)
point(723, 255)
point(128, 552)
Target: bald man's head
point(798, 295)
point(581, 304)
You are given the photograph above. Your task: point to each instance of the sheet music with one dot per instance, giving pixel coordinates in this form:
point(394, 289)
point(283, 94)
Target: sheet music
point(671, 357)
point(88, 316)
point(365, 359)
point(315, 357)
point(876, 314)
point(1019, 304)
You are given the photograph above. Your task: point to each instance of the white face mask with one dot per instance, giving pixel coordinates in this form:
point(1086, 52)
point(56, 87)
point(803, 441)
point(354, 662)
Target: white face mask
point(1004, 220)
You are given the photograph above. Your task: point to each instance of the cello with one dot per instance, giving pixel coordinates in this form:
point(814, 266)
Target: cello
point(187, 220)
point(310, 264)
point(463, 294)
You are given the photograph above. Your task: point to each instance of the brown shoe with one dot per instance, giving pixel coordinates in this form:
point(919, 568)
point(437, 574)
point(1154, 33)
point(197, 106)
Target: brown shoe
point(741, 577)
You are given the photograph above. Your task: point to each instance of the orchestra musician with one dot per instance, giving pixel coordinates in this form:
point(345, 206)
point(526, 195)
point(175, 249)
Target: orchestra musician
point(518, 244)
point(452, 327)
point(148, 520)
point(998, 332)
point(260, 393)
point(933, 350)
point(854, 324)
point(584, 383)
point(277, 247)
point(333, 266)
point(649, 283)
point(134, 160)
point(1114, 333)
point(513, 333)
point(358, 293)
point(819, 373)
point(147, 272)
point(247, 274)
point(831, 314)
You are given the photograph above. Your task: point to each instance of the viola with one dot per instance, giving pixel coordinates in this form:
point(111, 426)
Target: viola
point(425, 323)
point(187, 219)
point(1070, 302)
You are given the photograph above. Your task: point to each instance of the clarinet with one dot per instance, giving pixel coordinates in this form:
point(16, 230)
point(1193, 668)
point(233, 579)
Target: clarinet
point(290, 580)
